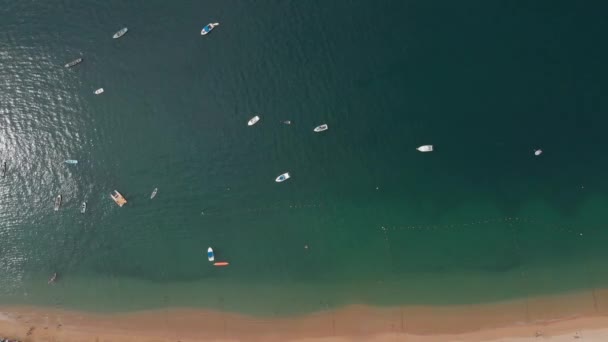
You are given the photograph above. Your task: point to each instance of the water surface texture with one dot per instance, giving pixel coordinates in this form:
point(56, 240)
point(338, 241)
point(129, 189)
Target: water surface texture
point(365, 218)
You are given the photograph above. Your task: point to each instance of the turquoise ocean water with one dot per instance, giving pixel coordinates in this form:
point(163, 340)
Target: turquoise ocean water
point(480, 219)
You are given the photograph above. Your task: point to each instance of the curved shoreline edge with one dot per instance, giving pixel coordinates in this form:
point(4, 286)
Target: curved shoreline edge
point(565, 316)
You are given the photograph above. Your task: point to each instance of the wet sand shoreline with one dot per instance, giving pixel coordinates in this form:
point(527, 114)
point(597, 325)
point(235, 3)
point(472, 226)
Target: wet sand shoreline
point(583, 314)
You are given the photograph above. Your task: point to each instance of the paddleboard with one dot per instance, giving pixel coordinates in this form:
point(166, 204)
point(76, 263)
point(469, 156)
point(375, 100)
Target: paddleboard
point(221, 263)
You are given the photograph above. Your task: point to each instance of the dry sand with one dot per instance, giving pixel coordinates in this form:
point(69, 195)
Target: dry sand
point(574, 317)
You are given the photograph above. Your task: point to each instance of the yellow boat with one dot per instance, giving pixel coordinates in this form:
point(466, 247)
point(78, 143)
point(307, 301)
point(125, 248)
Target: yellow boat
point(117, 197)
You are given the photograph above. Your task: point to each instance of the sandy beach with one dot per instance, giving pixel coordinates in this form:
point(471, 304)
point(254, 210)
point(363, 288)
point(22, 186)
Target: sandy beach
point(582, 316)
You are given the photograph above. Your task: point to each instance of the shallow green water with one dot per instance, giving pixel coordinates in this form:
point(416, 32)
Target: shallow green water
point(480, 219)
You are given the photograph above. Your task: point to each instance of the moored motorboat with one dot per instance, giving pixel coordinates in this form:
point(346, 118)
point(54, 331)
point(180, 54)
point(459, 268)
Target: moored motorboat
point(253, 120)
point(154, 193)
point(99, 91)
point(57, 202)
point(287, 122)
point(425, 148)
point(210, 254)
point(538, 152)
point(321, 128)
point(83, 207)
point(74, 62)
point(283, 177)
point(208, 28)
point(118, 198)
point(120, 33)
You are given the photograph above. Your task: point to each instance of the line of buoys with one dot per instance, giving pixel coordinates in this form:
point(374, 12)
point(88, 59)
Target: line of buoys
point(465, 225)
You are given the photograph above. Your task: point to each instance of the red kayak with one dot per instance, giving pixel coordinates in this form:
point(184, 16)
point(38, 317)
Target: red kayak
point(221, 263)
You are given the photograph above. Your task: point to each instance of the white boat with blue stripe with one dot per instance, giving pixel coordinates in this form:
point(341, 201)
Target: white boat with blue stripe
point(283, 177)
point(208, 28)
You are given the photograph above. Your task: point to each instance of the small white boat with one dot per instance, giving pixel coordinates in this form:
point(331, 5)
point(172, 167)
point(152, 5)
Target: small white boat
point(74, 62)
point(57, 202)
point(52, 278)
point(538, 152)
point(253, 120)
point(99, 91)
point(208, 28)
point(71, 161)
point(321, 128)
point(120, 33)
point(425, 148)
point(287, 122)
point(210, 254)
point(83, 207)
point(283, 177)
point(154, 193)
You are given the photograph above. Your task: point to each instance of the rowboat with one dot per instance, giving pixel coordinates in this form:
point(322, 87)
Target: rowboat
point(253, 120)
point(283, 177)
point(120, 33)
point(221, 263)
point(57, 202)
point(210, 254)
point(154, 193)
point(99, 91)
point(74, 62)
point(208, 28)
point(83, 207)
point(118, 198)
point(425, 148)
point(321, 128)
